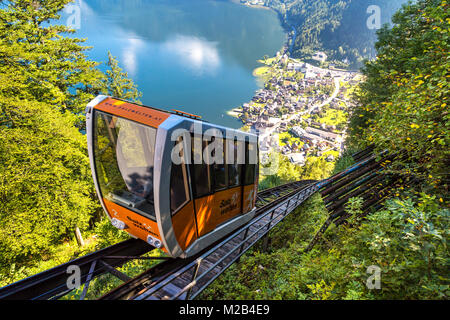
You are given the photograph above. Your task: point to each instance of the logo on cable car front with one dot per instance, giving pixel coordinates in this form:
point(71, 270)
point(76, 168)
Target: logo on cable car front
point(229, 204)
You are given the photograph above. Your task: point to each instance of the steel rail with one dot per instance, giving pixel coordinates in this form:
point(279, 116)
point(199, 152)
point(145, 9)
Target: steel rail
point(325, 184)
point(269, 227)
point(369, 166)
point(370, 179)
point(358, 156)
point(222, 258)
point(52, 283)
point(350, 186)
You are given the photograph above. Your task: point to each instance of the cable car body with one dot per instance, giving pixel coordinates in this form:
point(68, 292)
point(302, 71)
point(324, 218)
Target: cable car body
point(155, 178)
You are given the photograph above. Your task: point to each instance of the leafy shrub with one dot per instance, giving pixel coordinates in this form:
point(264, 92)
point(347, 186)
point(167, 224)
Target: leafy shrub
point(406, 240)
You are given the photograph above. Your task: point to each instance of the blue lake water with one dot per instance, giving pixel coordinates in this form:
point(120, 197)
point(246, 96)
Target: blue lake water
point(193, 55)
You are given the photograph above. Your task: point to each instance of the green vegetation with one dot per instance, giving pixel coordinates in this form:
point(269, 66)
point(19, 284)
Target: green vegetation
point(288, 138)
point(261, 71)
point(412, 257)
point(402, 106)
point(270, 275)
point(332, 117)
point(118, 84)
point(106, 282)
point(45, 180)
point(336, 27)
point(46, 189)
point(315, 168)
point(343, 162)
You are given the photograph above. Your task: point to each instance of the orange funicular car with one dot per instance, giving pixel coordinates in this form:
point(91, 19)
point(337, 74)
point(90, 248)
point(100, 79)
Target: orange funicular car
point(170, 178)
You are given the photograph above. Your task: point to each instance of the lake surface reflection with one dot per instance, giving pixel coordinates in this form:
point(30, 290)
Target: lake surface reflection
point(192, 55)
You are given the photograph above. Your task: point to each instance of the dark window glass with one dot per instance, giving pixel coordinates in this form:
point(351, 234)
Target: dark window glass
point(220, 170)
point(179, 188)
point(234, 169)
point(249, 168)
point(202, 172)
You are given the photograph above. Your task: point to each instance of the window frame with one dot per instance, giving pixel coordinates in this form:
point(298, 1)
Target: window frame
point(248, 165)
point(211, 168)
point(211, 176)
point(225, 168)
point(101, 115)
point(239, 167)
point(186, 180)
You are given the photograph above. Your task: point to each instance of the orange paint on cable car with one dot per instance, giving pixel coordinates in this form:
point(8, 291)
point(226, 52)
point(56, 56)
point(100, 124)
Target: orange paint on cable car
point(217, 208)
point(136, 224)
point(144, 115)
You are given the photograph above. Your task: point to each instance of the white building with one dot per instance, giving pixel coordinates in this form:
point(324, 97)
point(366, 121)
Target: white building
point(297, 158)
point(297, 67)
point(320, 56)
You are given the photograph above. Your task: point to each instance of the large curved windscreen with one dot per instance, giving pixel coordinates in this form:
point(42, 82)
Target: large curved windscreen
point(124, 158)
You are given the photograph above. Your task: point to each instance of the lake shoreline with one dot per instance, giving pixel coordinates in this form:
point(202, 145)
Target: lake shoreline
point(283, 49)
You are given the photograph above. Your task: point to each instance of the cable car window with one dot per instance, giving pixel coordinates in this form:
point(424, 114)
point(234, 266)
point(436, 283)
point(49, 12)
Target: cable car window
point(202, 173)
point(124, 159)
point(220, 170)
point(179, 188)
point(234, 169)
point(250, 151)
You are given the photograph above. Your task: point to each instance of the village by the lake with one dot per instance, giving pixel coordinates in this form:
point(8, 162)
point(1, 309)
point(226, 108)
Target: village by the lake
point(302, 109)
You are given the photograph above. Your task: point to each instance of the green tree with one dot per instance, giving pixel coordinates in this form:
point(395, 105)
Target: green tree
point(403, 104)
point(46, 80)
point(55, 67)
point(407, 240)
point(45, 182)
point(118, 84)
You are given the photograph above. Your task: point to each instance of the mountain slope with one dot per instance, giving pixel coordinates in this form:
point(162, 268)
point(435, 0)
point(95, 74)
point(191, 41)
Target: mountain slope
point(344, 29)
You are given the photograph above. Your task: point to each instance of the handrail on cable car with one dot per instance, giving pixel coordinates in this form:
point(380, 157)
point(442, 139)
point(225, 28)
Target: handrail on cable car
point(185, 114)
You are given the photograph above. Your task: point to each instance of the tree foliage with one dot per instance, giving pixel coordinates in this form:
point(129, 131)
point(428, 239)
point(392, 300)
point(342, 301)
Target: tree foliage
point(45, 186)
point(402, 107)
point(315, 168)
point(118, 84)
point(46, 80)
point(55, 67)
point(403, 103)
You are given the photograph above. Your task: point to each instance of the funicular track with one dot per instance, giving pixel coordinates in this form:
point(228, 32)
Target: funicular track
point(272, 206)
point(367, 179)
point(52, 283)
point(186, 278)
